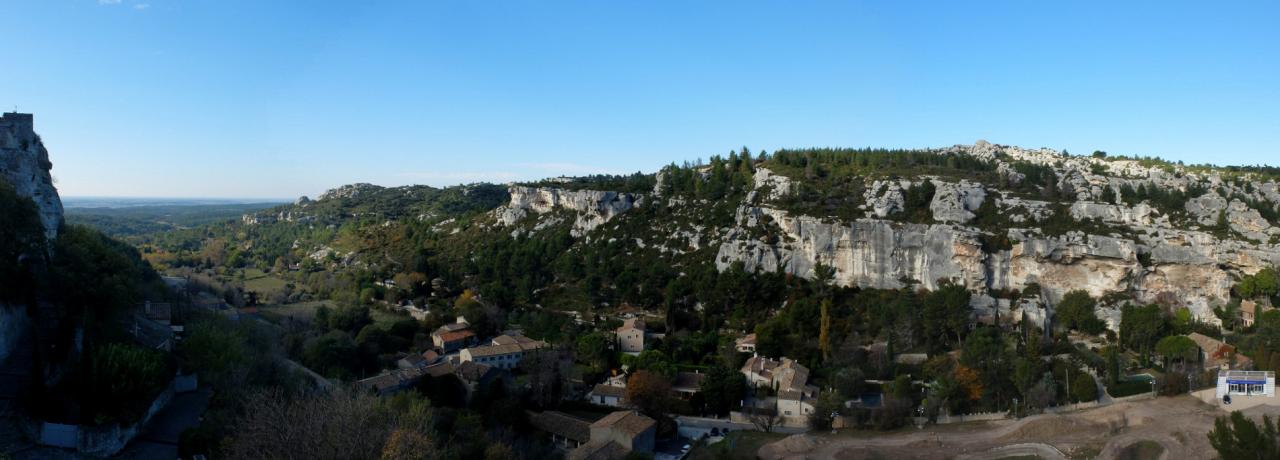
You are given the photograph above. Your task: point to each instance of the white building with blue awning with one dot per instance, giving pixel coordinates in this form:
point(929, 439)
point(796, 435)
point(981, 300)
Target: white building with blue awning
point(1246, 383)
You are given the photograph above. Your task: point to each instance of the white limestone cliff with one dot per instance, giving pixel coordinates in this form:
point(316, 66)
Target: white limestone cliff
point(24, 163)
point(591, 207)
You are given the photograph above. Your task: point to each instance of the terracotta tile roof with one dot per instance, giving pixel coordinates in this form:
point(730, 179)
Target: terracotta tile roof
point(495, 350)
point(456, 336)
point(472, 371)
point(601, 450)
point(688, 382)
point(627, 421)
point(561, 424)
point(609, 390)
point(440, 370)
point(507, 339)
point(452, 327)
point(1212, 347)
point(383, 382)
point(632, 323)
point(786, 373)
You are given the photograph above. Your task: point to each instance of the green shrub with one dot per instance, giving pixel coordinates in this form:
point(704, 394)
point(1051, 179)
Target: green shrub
point(121, 380)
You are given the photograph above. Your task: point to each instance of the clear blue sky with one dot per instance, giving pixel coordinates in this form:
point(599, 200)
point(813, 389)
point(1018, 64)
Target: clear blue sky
point(204, 98)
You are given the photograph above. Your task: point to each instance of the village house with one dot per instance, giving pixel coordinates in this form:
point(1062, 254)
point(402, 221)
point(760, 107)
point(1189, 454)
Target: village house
point(431, 357)
point(473, 377)
point(504, 352)
point(687, 384)
point(1251, 310)
point(1216, 354)
point(746, 344)
point(631, 336)
point(608, 395)
point(567, 432)
point(411, 360)
point(616, 435)
point(391, 382)
point(454, 336)
point(610, 438)
point(789, 379)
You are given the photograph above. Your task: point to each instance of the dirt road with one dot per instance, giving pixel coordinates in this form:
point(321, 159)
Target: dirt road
point(1178, 425)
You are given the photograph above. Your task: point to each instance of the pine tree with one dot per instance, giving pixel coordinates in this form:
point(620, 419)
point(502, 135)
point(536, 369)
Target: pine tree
point(824, 330)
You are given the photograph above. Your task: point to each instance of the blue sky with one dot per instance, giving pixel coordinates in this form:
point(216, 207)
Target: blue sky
point(205, 98)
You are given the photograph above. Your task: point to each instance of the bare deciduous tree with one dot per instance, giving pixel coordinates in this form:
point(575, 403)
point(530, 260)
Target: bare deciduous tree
point(764, 418)
point(336, 425)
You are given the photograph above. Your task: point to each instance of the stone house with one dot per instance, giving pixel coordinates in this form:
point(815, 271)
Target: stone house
point(391, 382)
point(412, 360)
point(631, 336)
point(453, 336)
point(616, 435)
point(789, 379)
point(504, 352)
point(1251, 310)
point(1216, 354)
point(567, 432)
point(687, 384)
point(608, 395)
point(473, 377)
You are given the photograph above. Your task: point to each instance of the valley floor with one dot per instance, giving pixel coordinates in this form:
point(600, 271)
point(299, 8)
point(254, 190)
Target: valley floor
point(1178, 425)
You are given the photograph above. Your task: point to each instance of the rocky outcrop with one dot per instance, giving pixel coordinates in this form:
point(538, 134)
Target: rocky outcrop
point(1206, 208)
point(956, 202)
point(25, 164)
point(777, 186)
point(349, 191)
point(885, 197)
point(868, 252)
point(1209, 208)
point(1140, 251)
point(1148, 259)
point(1140, 215)
point(592, 208)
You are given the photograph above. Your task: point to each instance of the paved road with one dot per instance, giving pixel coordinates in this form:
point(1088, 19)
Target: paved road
point(159, 438)
point(705, 424)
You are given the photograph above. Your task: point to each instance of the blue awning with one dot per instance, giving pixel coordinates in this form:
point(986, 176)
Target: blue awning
point(1248, 382)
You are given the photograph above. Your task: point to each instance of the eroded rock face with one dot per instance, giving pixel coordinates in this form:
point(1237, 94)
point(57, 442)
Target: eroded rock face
point(592, 207)
point(868, 252)
point(25, 164)
point(1137, 215)
point(956, 202)
point(1149, 258)
point(885, 197)
point(777, 186)
point(1145, 255)
point(1206, 208)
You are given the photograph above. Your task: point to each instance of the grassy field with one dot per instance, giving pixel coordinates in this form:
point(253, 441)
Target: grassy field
point(738, 445)
point(301, 310)
point(1129, 386)
point(385, 318)
point(264, 284)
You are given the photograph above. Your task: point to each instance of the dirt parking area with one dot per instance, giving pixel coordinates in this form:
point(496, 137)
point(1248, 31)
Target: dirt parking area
point(1178, 425)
